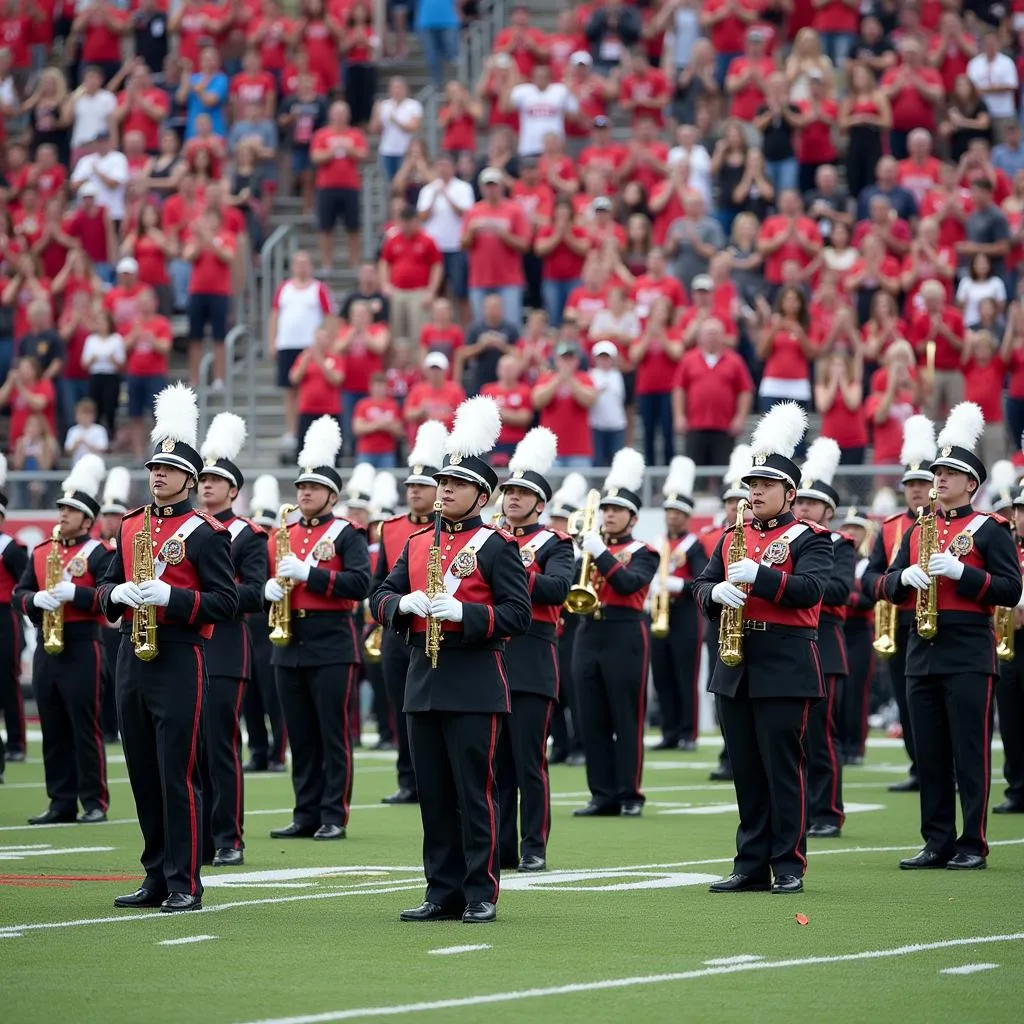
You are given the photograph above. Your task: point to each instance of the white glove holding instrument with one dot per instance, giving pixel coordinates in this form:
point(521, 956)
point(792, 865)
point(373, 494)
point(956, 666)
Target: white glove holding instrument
point(914, 576)
point(593, 545)
point(45, 601)
point(944, 564)
point(273, 591)
point(64, 591)
point(728, 594)
point(127, 594)
point(675, 585)
point(446, 608)
point(292, 568)
point(743, 571)
point(156, 593)
point(416, 603)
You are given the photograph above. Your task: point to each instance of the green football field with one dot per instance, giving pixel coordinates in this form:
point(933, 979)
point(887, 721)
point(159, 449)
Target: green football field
point(621, 928)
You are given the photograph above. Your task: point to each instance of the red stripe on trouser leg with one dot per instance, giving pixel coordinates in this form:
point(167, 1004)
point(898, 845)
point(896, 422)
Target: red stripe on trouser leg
point(194, 831)
point(803, 791)
point(100, 750)
point(489, 796)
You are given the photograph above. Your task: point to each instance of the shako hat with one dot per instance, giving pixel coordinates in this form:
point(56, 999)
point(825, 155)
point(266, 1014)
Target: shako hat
point(320, 449)
point(474, 434)
point(774, 442)
point(176, 422)
point(224, 440)
point(533, 458)
point(82, 485)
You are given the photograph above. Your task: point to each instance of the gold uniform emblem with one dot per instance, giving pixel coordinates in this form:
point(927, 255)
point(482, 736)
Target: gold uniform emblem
point(324, 551)
point(946, 452)
point(962, 544)
point(528, 557)
point(464, 564)
point(173, 551)
point(77, 566)
point(760, 460)
point(168, 446)
point(454, 459)
point(624, 557)
point(776, 553)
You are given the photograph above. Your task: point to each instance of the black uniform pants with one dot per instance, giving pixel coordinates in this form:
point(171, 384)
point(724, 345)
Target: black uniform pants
point(824, 763)
point(952, 718)
point(381, 705)
point(566, 734)
point(67, 692)
point(221, 766)
point(898, 676)
point(453, 754)
point(1010, 700)
point(675, 668)
point(766, 750)
point(11, 703)
point(610, 667)
point(856, 690)
point(261, 704)
point(395, 665)
point(160, 715)
point(711, 647)
point(522, 767)
point(110, 642)
point(316, 703)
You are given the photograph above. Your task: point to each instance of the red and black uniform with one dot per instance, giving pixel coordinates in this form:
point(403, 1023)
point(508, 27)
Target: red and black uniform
point(858, 633)
point(610, 666)
point(261, 702)
point(675, 659)
point(565, 743)
point(394, 653)
point(229, 668)
point(950, 678)
point(373, 673)
point(709, 537)
point(13, 559)
point(318, 670)
point(532, 664)
point(1010, 701)
point(110, 641)
point(67, 686)
point(456, 711)
point(160, 702)
point(764, 702)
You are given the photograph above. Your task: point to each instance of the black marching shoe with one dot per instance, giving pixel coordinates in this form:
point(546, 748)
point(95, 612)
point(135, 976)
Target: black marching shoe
point(967, 862)
point(141, 898)
point(787, 884)
point(15, 756)
point(908, 785)
point(595, 810)
point(228, 857)
point(575, 760)
point(721, 774)
point(179, 901)
point(824, 832)
point(1009, 807)
point(923, 860)
point(294, 831)
point(479, 913)
point(666, 744)
point(254, 765)
point(401, 796)
point(532, 863)
point(92, 816)
point(688, 746)
point(52, 817)
point(276, 767)
point(330, 832)
point(428, 911)
point(632, 810)
point(740, 883)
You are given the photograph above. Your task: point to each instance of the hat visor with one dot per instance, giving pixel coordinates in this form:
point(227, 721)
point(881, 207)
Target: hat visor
point(1004, 503)
point(174, 461)
point(527, 485)
point(811, 494)
point(317, 478)
point(961, 467)
point(357, 503)
point(80, 506)
point(925, 476)
point(420, 478)
point(221, 472)
point(619, 502)
point(679, 504)
point(857, 521)
point(114, 509)
point(462, 473)
point(767, 473)
point(734, 493)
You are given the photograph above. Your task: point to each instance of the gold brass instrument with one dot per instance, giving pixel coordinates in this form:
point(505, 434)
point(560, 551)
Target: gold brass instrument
point(887, 616)
point(662, 603)
point(583, 599)
point(371, 645)
point(280, 616)
point(144, 618)
point(730, 625)
point(1006, 645)
point(928, 545)
point(53, 622)
point(435, 586)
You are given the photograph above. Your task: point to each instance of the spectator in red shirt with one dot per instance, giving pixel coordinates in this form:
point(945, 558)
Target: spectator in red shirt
point(525, 45)
point(747, 80)
point(789, 235)
point(459, 118)
point(837, 21)
point(914, 91)
point(984, 371)
point(433, 398)
point(514, 400)
point(211, 251)
point(26, 393)
point(377, 425)
point(725, 22)
point(937, 335)
point(786, 350)
point(562, 247)
point(819, 115)
point(441, 333)
point(1012, 354)
point(411, 273)
point(90, 225)
point(563, 399)
point(317, 375)
point(253, 84)
point(656, 354)
point(142, 108)
point(100, 26)
point(645, 90)
point(894, 397)
point(363, 346)
point(839, 397)
point(122, 301)
point(920, 172)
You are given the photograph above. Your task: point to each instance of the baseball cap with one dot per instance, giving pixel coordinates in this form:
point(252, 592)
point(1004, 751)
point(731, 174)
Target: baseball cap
point(601, 121)
point(702, 283)
point(88, 189)
point(756, 34)
point(566, 348)
point(502, 60)
point(581, 57)
point(128, 266)
point(605, 348)
point(601, 203)
point(436, 361)
point(490, 176)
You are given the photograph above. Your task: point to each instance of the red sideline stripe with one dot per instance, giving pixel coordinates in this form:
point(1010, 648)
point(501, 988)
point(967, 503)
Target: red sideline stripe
point(98, 731)
point(190, 771)
point(803, 793)
point(489, 797)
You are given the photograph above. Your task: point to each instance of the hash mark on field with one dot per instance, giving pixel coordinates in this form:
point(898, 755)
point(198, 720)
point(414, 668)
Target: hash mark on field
point(969, 969)
point(185, 941)
point(10, 935)
point(449, 950)
point(726, 961)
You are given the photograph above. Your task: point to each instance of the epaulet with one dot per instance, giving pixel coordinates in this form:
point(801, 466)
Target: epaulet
point(215, 523)
point(894, 517)
point(816, 528)
point(560, 535)
point(422, 530)
point(504, 534)
point(134, 512)
point(999, 519)
point(255, 527)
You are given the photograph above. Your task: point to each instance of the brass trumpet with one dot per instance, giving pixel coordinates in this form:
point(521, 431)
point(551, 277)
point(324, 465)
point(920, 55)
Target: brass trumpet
point(583, 599)
point(662, 603)
point(280, 616)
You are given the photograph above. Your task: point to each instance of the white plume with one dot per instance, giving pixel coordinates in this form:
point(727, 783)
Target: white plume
point(572, 492)
point(779, 430)
point(176, 415)
point(361, 480)
point(225, 437)
point(429, 447)
point(117, 486)
point(682, 474)
point(885, 503)
point(86, 475)
point(384, 496)
point(627, 470)
point(266, 494)
point(918, 442)
point(3, 470)
point(476, 429)
point(537, 451)
point(739, 464)
point(822, 460)
point(964, 426)
point(1002, 478)
point(321, 444)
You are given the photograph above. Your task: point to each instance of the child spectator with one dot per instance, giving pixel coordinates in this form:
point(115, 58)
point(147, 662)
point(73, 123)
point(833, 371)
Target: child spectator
point(104, 358)
point(86, 435)
point(377, 425)
point(607, 416)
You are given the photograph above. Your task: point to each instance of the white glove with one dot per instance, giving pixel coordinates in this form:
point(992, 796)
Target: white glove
point(446, 608)
point(416, 603)
point(945, 564)
point(743, 571)
point(593, 545)
point(155, 592)
point(728, 594)
point(128, 594)
point(292, 568)
point(914, 576)
point(675, 585)
point(64, 591)
point(273, 591)
point(44, 600)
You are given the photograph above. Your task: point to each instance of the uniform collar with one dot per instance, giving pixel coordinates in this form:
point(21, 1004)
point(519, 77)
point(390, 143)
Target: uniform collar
point(315, 521)
point(960, 512)
point(420, 520)
point(226, 516)
point(462, 525)
point(182, 508)
point(782, 519)
point(73, 542)
point(525, 531)
point(623, 538)
point(911, 514)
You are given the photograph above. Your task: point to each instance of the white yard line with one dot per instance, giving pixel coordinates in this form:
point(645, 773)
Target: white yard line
point(970, 969)
point(188, 940)
point(725, 961)
point(453, 950)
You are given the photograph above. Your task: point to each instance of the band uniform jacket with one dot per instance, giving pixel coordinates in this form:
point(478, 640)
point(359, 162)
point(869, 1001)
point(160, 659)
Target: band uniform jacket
point(325, 608)
point(687, 560)
point(965, 642)
point(484, 564)
point(622, 576)
point(831, 642)
point(228, 652)
point(394, 533)
point(549, 559)
point(781, 660)
point(13, 559)
point(197, 567)
point(883, 551)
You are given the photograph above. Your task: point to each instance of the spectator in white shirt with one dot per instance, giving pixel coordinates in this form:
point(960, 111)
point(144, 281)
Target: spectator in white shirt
point(90, 106)
point(107, 169)
point(689, 149)
point(542, 106)
point(396, 119)
point(103, 356)
point(86, 436)
point(994, 75)
point(608, 414)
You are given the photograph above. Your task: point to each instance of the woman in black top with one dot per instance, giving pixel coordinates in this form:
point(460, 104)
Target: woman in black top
point(164, 171)
point(966, 118)
point(51, 125)
point(728, 161)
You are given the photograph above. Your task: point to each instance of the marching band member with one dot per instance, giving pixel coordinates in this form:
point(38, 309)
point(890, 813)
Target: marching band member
point(228, 650)
point(675, 658)
point(68, 661)
point(764, 698)
point(816, 502)
point(612, 652)
point(191, 587)
point(457, 593)
point(13, 559)
point(383, 503)
point(1010, 692)
point(531, 660)
point(327, 571)
point(420, 494)
point(356, 509)
point(961, 565)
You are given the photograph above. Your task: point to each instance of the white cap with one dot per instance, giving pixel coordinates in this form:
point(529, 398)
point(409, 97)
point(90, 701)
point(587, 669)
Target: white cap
point(702, 283)
point(605, 348)
point(601, 203)
point(436, 360)
point(128, 266)
point(581, 57)
point(502, 60)
point(491, 176)
point(88, 189)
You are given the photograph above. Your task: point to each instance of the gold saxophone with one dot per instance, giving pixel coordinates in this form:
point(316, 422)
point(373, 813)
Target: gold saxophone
point(583, 599)
point(928, 545)
point(280, 616)
point(144, 618)
point(435, 586)
point(1006, 644)
point(371, 645)
point(730, 625)
point(662, 603)
point(53, 622)
point(887, 616)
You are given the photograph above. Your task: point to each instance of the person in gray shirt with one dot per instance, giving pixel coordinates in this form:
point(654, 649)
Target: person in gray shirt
point(693, 239)
point(988, 230)
point(258, 129)
point(1008, 156)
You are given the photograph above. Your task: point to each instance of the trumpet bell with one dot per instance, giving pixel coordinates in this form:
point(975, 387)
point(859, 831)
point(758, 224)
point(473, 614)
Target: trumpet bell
point(581, 600)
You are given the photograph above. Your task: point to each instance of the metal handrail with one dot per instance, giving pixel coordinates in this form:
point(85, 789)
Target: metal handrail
point(478, 40)
point(275, 256)
point(231, 342)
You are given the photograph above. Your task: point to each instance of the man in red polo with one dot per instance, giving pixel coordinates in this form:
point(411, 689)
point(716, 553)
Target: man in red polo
point(411, 271)
point(788, 235)
point(746, 81)
point(122, 301)
point(142, 108)
point(564, 399)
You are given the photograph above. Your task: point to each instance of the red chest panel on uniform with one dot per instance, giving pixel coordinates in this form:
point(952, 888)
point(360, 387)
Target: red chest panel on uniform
point(611, 598)
point(770, 542)
point(541, 612)
point(893, 530)
point(393, 535)
point(7, 581)
point(709, 539)
point(76, 570)
point(836, 611)
point(953, 535)
point(304, 540)
point(679, 563)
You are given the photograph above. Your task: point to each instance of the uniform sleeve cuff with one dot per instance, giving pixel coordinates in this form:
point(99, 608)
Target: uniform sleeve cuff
point(195, 608)
point(784, 576)
point(490, 621)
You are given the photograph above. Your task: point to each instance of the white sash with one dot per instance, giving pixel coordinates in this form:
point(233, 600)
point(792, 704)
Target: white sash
point(330, 535)
point(538, 540)
point(474, 544)
point(187, 529)
point(787, 538)
point(861, 566)
point(974, 526)
point(5, 539)
point(236, 527)
point(630, 549)
point(83, 552)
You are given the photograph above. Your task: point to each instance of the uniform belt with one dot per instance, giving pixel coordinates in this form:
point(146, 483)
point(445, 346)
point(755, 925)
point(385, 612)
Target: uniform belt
point(616, 613)
point(759, 626)
point(318, 613)
point(453, 639)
